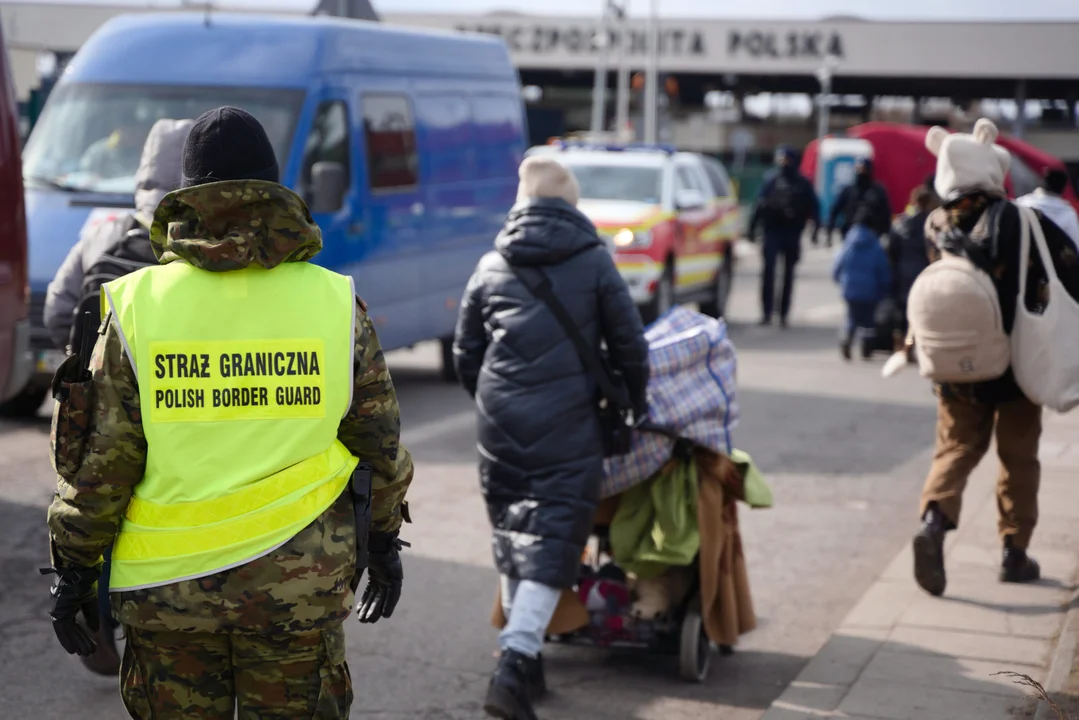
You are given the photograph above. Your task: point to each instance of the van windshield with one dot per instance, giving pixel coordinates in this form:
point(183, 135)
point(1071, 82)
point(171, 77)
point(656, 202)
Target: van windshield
point(90, 137)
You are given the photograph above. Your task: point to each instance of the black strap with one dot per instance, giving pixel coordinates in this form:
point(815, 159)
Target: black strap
point(982, 255)
point(537, 283)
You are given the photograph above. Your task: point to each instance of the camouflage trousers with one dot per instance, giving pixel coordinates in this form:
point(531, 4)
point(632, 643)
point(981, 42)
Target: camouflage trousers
point(212, 676)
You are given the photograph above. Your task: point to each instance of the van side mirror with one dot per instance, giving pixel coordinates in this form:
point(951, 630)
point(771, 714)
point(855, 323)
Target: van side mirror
point(329, 183)
point(689, 199)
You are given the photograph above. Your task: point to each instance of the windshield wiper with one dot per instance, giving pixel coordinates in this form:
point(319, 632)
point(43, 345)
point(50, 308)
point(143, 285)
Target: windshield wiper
point(52, 183)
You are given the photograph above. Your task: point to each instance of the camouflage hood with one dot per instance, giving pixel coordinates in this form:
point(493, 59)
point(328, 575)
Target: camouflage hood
point(234, 224)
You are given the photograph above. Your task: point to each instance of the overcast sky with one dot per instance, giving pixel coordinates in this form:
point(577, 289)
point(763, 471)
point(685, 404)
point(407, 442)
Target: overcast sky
point(763, 9)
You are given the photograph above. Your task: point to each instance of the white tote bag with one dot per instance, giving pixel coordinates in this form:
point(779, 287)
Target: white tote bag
point(1045, 348)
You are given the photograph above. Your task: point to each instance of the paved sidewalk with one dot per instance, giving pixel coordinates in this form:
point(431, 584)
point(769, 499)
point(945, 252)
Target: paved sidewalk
point(901, 654)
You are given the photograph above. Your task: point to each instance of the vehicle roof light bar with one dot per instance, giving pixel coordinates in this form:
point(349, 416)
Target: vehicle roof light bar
point(569, 144)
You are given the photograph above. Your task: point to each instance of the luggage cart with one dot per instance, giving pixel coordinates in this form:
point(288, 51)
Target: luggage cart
point(679, 631)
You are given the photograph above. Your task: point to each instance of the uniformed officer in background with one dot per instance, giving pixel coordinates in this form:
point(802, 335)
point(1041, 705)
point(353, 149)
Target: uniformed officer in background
point(230, 394)
point(786, 204)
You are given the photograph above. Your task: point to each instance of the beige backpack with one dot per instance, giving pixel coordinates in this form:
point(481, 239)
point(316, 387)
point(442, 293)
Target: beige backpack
point(954, 314)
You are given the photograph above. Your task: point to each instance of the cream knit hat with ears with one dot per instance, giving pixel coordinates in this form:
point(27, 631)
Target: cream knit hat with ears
point(543, 177)
point(966, 163)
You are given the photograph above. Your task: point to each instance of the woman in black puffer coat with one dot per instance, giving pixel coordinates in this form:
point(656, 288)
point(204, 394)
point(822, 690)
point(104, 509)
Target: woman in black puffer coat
point(541, 450)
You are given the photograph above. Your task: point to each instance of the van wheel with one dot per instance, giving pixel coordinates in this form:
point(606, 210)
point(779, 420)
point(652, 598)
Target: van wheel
point(721, 293)
point(663, 299)
point(447, 372)
point(26, 403)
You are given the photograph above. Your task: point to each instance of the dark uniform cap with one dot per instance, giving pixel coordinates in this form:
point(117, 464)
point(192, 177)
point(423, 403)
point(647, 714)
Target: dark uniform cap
point(228, 144)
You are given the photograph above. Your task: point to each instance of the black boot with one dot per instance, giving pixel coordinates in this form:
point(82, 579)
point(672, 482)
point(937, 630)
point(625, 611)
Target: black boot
point(929, 551)
point(1018, 567)
point(844, 349)
point(508, 694)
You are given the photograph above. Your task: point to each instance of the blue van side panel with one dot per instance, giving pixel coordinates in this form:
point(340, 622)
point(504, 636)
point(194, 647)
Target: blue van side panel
point(444, 120)
point(472, 210)
point(268, 51)
point(469, 144)
point(385, 49)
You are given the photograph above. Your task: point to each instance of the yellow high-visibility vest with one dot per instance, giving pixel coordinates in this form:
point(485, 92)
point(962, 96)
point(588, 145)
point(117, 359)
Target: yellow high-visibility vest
point(243, 379)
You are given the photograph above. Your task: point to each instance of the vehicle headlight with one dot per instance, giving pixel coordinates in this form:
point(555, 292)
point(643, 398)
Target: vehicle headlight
point(626, 238)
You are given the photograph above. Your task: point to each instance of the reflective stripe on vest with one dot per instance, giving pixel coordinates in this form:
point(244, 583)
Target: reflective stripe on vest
point(243, 379)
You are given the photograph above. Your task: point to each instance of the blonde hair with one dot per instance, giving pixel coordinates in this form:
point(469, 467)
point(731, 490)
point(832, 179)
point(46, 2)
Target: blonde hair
point(543, 177)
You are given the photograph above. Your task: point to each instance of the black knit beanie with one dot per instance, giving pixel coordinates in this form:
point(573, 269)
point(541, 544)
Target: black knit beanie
point(228, 144)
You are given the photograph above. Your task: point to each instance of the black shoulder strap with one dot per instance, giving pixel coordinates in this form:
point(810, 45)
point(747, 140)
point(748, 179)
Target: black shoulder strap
point(995, 211)
point(537, 283)
point(983, 255)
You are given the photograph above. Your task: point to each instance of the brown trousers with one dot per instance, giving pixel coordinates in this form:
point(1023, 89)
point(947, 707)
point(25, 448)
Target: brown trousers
point(964, 431)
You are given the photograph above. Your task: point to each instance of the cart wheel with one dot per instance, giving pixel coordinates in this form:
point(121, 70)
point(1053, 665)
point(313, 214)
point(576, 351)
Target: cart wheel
point(694, 648)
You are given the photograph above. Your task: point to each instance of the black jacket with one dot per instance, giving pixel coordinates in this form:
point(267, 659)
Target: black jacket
point(863, 205)
point(541, 457)
point(907, 253)
point(798, 193)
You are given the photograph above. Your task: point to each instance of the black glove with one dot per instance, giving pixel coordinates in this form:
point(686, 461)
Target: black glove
point(384, 576)
point(75, 590)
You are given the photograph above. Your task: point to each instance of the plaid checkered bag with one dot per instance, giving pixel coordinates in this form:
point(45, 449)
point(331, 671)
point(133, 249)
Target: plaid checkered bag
point(691, 392)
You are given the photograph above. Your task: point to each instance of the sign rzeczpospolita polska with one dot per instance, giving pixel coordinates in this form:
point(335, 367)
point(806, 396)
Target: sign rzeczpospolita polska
point(865, 48)
point(554, 41)
point(683, 45)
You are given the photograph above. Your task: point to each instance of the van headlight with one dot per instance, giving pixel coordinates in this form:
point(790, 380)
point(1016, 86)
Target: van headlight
point(625, 239)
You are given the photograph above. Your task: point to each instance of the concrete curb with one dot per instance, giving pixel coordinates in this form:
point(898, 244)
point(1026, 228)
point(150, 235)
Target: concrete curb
point(1060, 665)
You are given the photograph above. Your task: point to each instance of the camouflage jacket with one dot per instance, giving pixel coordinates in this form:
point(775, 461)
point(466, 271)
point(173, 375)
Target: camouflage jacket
point(309, 580)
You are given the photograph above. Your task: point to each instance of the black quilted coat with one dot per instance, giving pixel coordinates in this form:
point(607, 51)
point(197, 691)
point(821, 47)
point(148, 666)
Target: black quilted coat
point(541, 457)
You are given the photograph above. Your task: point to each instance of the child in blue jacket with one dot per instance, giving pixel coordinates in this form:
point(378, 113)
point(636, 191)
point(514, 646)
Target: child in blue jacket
point(865, 276)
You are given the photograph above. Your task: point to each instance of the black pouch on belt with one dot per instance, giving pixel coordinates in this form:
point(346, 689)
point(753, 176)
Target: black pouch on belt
point(73, 389)
point(361, 504)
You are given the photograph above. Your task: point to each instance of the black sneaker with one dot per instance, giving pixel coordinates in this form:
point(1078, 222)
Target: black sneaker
point(844, 349)
point(1017, 566)
point(783, 323)
point(508, 694)
point(929, 553)
point(765, 321)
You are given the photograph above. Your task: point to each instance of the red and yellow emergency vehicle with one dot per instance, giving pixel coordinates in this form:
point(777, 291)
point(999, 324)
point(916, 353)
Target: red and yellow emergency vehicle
point(671, 218)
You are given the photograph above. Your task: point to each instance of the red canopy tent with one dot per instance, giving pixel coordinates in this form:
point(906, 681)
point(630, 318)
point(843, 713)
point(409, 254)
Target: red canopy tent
point(902, 162)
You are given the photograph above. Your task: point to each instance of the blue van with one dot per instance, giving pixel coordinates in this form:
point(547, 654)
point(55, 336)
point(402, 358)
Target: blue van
point(404, 143)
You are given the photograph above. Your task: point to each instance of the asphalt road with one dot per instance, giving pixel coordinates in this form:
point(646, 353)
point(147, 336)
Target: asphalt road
point(844, 451)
